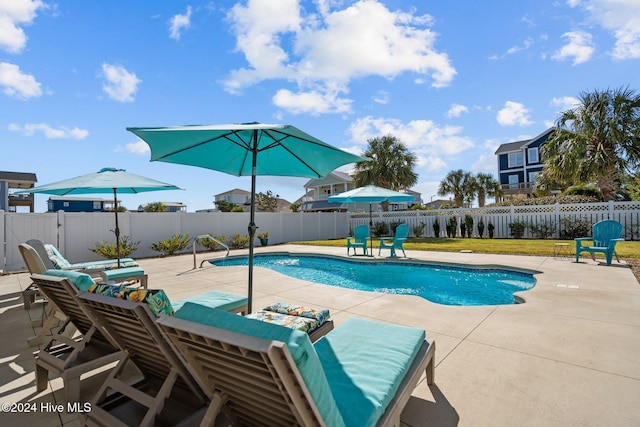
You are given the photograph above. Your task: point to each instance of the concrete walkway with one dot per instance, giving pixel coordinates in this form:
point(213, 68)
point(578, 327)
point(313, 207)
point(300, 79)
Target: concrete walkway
point(568, 356)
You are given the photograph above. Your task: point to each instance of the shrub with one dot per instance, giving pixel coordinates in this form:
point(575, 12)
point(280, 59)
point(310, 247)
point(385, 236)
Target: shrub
point(480, 228)
point(237, 209)
point(584, 190)
point(517, 229)
point(543, 230)
point(108, 250)
point(264, 235)
point(238, 241)
point(209, 243)
point(490, 228)
point(418, 230)
point(170, 246)
point(575, 227)
point(468, 222)
point(436, 228)
point(452, 226)
point(380, 229)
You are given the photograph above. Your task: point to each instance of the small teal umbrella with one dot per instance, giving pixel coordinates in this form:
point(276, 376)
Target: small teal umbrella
point(107, 180)
point(370, 194)
point(247, 149)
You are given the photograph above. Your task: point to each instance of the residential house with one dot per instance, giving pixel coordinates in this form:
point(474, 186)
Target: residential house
point(18, 180)
point(168, 207)
point(236, 196)
point(519, 164)
point(78, 204)
point(317, 192)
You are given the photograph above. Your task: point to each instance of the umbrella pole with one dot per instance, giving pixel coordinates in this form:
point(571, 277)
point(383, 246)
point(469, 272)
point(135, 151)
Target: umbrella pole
point(252, 224)
point(370, 228)
point(117, 231)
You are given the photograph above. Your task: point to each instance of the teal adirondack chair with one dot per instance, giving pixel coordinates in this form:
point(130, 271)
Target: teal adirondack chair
point(398, 241)
point(359, 239)
point(606, 234)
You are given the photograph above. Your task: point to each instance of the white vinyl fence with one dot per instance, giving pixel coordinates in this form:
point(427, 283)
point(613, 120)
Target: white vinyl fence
point(552, 216)
point(75, 233)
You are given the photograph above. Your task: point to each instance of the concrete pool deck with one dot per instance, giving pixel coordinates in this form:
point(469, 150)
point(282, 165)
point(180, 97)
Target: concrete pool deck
point(568, 356)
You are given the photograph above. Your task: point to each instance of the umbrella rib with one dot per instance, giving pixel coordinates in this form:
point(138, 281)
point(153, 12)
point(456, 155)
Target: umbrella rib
point(278, 141)
point(225, 136)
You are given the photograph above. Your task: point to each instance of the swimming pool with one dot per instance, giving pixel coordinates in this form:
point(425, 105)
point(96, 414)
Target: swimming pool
point(442, 284)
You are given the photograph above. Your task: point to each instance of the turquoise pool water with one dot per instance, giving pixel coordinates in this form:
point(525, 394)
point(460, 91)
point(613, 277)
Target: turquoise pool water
point(442, 284)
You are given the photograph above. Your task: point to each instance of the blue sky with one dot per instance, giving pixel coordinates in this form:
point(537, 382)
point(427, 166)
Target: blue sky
point(452, 79)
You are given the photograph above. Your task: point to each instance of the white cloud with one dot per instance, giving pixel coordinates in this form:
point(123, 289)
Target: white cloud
point(382, 97)
point(17, 84)
point(580, 47)
point(513, 113)
point(13, 14)
point(424, 138)
point(314, 102)
point(179, 22)
point(332, 47)
point(565, 103)
point(621, 18)
point(456, 110)
point(138, 147)
point(120, 85)
point(49, 132)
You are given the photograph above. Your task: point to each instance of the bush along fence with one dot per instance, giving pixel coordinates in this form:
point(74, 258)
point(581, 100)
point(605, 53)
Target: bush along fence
point(557, 221)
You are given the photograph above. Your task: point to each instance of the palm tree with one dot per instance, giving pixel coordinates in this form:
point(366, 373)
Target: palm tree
point(391, 165)
point(597, 141)
point(487, 186)
point(461, 184)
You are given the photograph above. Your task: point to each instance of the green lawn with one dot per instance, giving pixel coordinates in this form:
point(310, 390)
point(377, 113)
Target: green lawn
point(627, 249)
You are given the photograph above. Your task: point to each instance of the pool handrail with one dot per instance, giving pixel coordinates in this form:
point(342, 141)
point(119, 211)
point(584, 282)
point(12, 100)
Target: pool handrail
point(208, 236)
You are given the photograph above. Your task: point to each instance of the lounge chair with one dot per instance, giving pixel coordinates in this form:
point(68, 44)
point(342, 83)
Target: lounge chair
point(51, 315)
point(359, 239)
point(106, 270)
point(168, 395)
point(606, 234)
point(54, 259)
point(360, 374)
point(398, 241)
point(65, 356)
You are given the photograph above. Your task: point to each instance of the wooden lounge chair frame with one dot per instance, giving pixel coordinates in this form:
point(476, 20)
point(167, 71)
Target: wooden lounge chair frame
point(51, 316)
point(168, 392)
point(254, 381)
point(70, 357)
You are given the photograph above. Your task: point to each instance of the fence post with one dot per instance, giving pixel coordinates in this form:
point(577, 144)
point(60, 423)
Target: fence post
point(611, 210)
point(557, 215)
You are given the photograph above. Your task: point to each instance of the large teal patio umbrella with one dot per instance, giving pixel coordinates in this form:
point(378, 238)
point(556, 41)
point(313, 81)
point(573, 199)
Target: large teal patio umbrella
point(247, 149)
point(370, 194)
point(107, 180)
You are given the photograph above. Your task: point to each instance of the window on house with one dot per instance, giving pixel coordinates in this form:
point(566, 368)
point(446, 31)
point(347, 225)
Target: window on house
point(533, 155)
point(513, 182)
point(533, 177)
point(97, 205)
point(515, 160)
point(65, 204)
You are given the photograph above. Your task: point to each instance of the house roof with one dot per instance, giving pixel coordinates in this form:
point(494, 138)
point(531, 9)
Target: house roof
point(234, 191)
point(510, 147)
point(333, 178)
point(19, 179)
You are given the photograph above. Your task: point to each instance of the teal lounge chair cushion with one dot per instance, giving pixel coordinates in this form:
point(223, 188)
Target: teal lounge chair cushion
point(297, 342)
point(215, 299)
point(350, 353)
point(61, 262)
point(82, 281)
